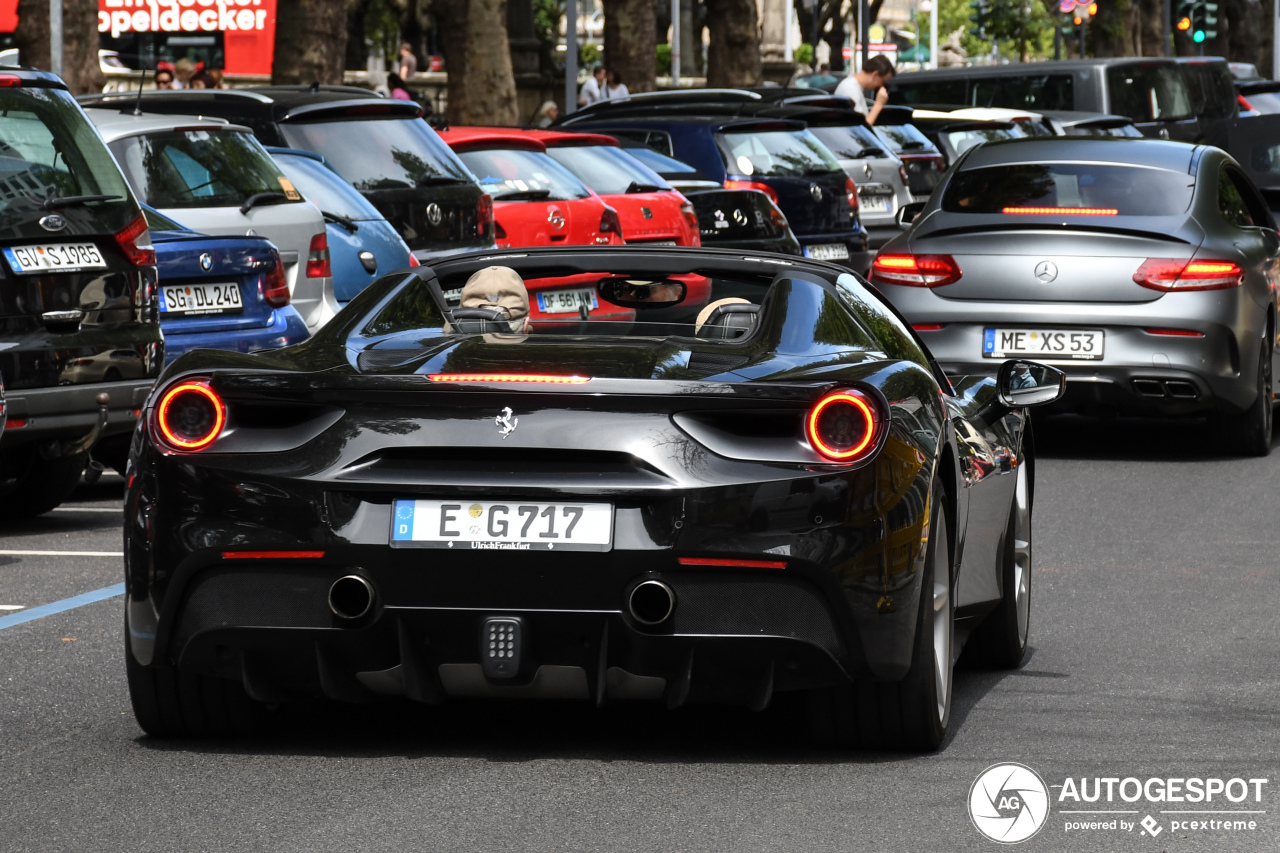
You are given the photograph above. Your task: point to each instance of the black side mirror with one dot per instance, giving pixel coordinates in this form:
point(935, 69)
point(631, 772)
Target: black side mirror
point(1028, 383)
point(639, 293)
point(908, 212)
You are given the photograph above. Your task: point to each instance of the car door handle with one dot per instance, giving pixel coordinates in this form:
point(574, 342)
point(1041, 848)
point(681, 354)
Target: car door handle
point(62, 318)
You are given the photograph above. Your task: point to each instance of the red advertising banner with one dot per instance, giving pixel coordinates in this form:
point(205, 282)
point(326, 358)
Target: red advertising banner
point(248, 27)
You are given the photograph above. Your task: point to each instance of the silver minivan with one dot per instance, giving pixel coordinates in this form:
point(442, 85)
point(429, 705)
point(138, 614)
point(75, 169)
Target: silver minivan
point(216, 178)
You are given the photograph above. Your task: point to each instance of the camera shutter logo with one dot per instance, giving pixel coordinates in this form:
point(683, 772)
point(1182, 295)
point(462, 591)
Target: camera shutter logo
point(1009, 803)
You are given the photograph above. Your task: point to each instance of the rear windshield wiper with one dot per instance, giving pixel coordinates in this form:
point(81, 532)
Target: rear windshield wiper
point(910, 146)
point(870, 152)
point(261, 198)
point(636, 187)
point(348, 224)
point(76, 200)
point(523, 195)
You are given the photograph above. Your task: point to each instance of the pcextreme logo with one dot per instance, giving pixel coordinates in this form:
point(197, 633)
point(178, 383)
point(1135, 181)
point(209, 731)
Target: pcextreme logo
point(1009, 803)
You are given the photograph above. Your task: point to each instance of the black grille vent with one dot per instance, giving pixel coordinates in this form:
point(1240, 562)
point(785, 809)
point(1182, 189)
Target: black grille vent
point(385, 359)
point(708, 363)
point(271, 596)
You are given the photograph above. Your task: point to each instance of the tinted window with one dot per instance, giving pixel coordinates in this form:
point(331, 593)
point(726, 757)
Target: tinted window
point(1212, 88)
point(48, 148)
point(1123, 131)
point(197, 168)
point(905, 139)
point(776, 153)
point(157, 221)
point(660, 162)
point(931, 92)
point(1148, 93)
point(318, 184)
point(1129, 190)
point(1230, 201)
point(516, 174)
point(379, 154)
point(850, 143)
point(1030, 92)
point(608, 170)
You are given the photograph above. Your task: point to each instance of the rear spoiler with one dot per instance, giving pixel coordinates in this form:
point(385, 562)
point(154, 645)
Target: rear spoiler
point(354, 108)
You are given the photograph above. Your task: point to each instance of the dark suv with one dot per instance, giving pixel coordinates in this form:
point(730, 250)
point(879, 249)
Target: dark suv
point(380, 145)
point(77, 296)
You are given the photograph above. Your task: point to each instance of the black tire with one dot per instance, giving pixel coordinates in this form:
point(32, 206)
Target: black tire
point(1248, 433)
point(912, 714)
point(168, 703)
point(31, 485)
point(1000, 642)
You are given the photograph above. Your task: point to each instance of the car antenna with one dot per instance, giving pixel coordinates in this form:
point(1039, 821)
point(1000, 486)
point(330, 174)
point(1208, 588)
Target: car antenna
point(142, 79)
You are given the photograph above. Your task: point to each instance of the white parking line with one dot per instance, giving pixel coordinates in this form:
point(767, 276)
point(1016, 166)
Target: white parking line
point(88, 509)
point(61, 553)
point(12, 606)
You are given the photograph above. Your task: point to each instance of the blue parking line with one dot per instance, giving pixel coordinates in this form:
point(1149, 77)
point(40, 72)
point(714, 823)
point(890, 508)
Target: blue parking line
point(59, 606)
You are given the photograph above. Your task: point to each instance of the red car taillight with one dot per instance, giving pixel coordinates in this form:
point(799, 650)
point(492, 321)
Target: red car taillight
point(499, 233)
point(610, 224)
point(902, 173)
point(190, 415)
point(1166, 274)
point(413, 261)
point(691, 222)
point(134, 241)
point(1244, 103)
point(915, 270)
point(753, 185)
point(8, 81)
point(318, 258)
point(851, 193)
point(779, 219)
point(843, 426)
point(275, 287)
point(484, 215)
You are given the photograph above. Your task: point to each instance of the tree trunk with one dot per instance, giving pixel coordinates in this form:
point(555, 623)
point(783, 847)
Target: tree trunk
point(79, 44)
point(473, 39)
point(733, 54)
point(630, 48)
point(311, 41)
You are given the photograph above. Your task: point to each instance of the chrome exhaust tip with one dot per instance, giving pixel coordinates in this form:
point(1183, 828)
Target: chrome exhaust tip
point(651, 602)
point(351, 597)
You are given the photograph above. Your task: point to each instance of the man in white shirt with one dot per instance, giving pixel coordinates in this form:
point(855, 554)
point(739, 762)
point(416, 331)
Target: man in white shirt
point(593, 89)
point(875, 73)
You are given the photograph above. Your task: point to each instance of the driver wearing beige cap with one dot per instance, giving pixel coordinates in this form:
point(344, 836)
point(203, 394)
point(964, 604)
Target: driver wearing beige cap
point(500, 288)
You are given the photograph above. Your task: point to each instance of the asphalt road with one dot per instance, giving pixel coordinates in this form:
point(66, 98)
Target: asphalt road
point(1155, 647)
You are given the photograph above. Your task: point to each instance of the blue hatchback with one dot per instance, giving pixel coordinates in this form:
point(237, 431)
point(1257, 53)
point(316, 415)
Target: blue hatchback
point(225, 293)
point(363, 245)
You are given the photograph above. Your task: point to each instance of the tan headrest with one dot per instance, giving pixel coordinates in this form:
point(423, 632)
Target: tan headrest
point(498, 287)
point(706, 312)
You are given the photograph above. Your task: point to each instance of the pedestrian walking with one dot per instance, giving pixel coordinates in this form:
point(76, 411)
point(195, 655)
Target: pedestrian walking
point(869, 83)
point(593, 89)
point(408, 62)
point(614, 87)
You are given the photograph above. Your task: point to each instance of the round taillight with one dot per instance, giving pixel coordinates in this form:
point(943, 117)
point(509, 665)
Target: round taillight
point(842, 426)
point(190, 415)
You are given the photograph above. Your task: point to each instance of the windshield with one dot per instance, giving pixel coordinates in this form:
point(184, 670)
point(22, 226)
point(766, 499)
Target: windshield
point(1058, 188)
point(905, 139)
point(607, 169)
point(319, 184)
point(1148, 93)
point(1025, 92)
point(850, 143)
point(199, 168)
point(516, 174)
point(378, 154)
point(776, 153)
point(48, 149)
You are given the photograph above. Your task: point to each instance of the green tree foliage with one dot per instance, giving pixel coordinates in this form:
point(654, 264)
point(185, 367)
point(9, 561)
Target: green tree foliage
point(1013, 23)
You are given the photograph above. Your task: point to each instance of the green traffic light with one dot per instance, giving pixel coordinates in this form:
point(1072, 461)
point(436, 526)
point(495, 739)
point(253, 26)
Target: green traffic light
point(1198, 36)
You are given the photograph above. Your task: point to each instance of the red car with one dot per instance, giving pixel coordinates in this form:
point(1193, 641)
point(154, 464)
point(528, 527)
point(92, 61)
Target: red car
point(652, 212)
point(536, 201)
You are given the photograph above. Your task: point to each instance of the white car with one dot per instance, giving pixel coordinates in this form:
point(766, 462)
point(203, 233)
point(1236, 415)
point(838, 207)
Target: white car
point(216, 178)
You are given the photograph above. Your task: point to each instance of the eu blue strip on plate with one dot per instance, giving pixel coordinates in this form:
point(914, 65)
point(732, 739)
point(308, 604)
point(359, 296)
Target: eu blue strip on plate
point(59, 606)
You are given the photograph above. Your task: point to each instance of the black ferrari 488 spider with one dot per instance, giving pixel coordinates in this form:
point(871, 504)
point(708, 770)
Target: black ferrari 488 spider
point(672, 476)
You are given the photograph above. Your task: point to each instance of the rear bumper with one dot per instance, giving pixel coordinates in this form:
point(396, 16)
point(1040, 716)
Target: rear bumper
point(285, 329)
point(71, 411)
